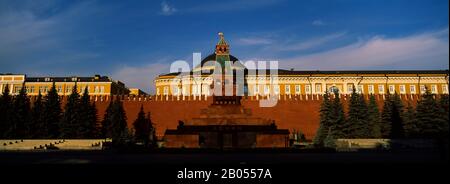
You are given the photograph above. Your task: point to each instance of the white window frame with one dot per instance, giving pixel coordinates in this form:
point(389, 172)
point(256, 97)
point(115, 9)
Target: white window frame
point(402, 89)
point(370, 88)
point(297, 89)
point(444, 89)
point(434, 89)
point(422, 89)
point(276, 89)
point(360, 89)
point(392, 91)
point(412, 89)
point(350, 88)
point(287, 89)
point(256, 89)
point(266, 89)
point(166, 90)
point(307, 89)
point(318, 88)
point(381, 89)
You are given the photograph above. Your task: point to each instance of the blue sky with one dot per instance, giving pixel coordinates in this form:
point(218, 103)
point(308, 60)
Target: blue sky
point(137, 40)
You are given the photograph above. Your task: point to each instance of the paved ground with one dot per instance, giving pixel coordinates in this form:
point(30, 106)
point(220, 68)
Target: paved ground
point(106, 167)
point(104, 157)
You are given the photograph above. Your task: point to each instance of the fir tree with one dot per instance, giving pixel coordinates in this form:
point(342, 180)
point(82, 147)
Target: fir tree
point(106, 130)
point(5, 113)
point(357, 123)
point(397, 129)
point(94, 123)
point(391, 117)
point(52, 113)
point(71, 117)
point(38, 125)
point(142, 126)
point(410, 122)
point(119, 127)
point(325, 121)
point(430, 122)
point(330, 140)
point(444, 114)
point(153, 138)
point(87, 117)
point(337, 117)
point(386, 114)
point(373, 117)
point(21, 115)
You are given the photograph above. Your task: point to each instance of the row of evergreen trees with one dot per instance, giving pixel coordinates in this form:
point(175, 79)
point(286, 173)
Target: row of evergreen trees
point(44, 119)
point(429, 119)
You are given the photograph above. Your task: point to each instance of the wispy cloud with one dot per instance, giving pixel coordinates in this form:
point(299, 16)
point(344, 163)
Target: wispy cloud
point(318, 23)
point(167, 9)
point(235, 5)
point(253, 41)
point(141, 77)
point(428, 50)
point(309, 44)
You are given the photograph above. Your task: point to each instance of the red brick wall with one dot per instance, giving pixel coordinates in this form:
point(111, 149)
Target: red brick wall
point(300, 113)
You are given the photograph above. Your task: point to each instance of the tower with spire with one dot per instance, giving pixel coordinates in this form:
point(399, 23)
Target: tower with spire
point(222, 50)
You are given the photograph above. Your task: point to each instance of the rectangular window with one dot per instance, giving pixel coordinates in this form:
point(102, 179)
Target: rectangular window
point(297, 89)
point(102, 89)
point(46, 89)
point(381, 89)
point(360, 89)
point(256, 89)
point(402, 89)
point(59, 89)
point(307, 89)
point(391, 89)
point(194, 89)
point(434, 89)
point(175, 90)
point(205, 90)
point(287, 89)
point(96, 89)
point(350, 88)
point(422, 89)
point(370, 88)
point(412, 89)
point(266, 89)
point(68, 89)
point(445, 89)
point(17, 89)
point(276, 89)
point(183, 90)
point(31, 89)
point(157, 91)
point(318, 88)
point(166, 90)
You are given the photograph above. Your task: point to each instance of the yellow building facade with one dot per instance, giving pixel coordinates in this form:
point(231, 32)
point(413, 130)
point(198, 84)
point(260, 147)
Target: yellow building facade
point(290, 82)
point(96, 85)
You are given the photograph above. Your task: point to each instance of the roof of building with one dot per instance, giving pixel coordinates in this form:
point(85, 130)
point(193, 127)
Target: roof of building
point(341, 72)
point(96, 78)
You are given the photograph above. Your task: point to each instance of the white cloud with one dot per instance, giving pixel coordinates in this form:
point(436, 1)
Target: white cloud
point(167, 9)
point(421, 51)
point(311, 43)
point(141, 76)
point(254, 41)
point(318, 23)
